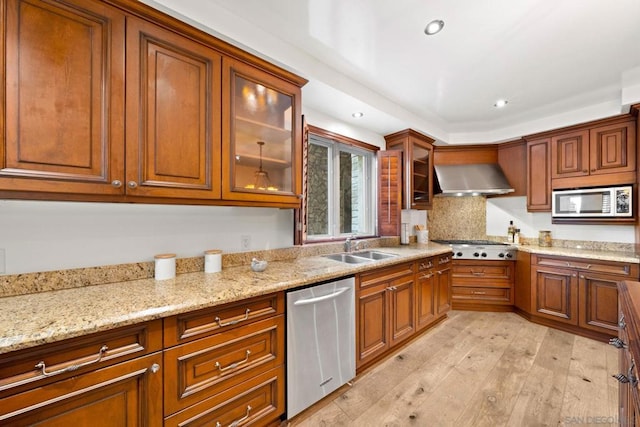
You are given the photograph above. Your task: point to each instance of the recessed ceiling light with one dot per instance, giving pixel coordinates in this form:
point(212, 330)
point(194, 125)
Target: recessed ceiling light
point(434, 27)
point(500, 103)
point(357, 114)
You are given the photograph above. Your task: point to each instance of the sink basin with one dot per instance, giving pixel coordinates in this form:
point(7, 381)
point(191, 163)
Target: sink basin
point(360, 257)
point(348, 258)
point(374, 255)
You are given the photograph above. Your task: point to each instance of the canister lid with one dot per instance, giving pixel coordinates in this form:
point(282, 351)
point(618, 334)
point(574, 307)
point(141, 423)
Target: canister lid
point(213, 251)
point(164, 256)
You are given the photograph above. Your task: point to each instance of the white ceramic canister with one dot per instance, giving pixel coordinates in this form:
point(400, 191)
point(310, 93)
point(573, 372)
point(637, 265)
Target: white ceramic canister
point(212, 261)
point(422, 236)
point(165, 266)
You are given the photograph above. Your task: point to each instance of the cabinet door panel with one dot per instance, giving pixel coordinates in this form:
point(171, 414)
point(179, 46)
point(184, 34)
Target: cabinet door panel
point(373, 318)
point(613, 148)
point(425, 297)
point(539, 176)
point(390, 192)
point(443, 295)
point(556, 294)
point(570, 154)
point(402, 312)
point(599, 303)
point(64, 97)
point(173, 126)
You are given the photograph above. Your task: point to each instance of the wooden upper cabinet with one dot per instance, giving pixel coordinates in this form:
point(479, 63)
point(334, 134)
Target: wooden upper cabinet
point(417, 152)
point(262, 136)
point(173, 116)
point(613, 148)
point(570, 154)
point(597, 155)
point(64, 97)
point(539, 175)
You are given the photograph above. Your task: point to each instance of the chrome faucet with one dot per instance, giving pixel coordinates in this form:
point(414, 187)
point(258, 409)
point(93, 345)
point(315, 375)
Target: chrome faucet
point(347, 244)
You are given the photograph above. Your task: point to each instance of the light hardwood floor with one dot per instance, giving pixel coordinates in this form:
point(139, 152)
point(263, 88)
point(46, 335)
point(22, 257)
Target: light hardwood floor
point(481, 369)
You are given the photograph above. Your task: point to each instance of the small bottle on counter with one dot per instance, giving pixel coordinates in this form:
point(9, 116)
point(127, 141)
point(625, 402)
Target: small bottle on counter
point(165, 266)
point(516, 237)
point(511, 230)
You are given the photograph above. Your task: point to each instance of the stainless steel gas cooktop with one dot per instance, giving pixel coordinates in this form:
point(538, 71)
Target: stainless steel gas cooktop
point(480, 249)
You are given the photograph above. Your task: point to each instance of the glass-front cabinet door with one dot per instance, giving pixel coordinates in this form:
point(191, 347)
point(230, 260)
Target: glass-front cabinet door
point(262, 137)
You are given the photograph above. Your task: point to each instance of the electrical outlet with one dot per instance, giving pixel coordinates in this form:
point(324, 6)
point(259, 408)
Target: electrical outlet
point(245, 243)
point(2, 265)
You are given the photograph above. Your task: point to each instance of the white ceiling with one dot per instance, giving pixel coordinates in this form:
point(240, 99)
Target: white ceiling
point(557, 62)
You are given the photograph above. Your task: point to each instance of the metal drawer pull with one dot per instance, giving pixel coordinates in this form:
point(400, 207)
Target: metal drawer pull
point(617, 343)
point(621, 378)
point(234, 364)
point(477, 273)
point(392, 288)
point(43, 367)
point(236, 422)
point(426, 276)
point(478, 292)
point(233, 322)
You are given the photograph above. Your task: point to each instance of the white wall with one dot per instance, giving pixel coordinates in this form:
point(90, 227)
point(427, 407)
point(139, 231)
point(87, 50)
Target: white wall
point(42, 236)
point(504, 209)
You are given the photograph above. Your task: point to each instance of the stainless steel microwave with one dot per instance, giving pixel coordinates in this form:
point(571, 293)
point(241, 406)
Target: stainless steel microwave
point(611, 202)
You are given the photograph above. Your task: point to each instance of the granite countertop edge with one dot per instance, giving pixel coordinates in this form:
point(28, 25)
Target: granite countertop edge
point(41, 318)
point(35, 319)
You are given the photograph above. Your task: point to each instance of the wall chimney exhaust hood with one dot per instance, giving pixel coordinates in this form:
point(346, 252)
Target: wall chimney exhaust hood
point(472, 180)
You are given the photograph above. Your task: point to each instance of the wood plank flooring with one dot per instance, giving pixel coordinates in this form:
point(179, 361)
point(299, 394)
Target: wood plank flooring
point(481, 369)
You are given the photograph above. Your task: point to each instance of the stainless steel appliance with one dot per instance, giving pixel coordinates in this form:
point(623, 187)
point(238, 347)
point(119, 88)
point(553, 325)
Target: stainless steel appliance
point(480, 249)
point(321, 329)
point(593, 202)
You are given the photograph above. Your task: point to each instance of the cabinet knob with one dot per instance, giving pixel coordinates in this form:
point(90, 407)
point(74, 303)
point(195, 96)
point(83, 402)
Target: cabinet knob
point(584, 171)
point(155, 368)
point(593, 170)
point(621, 323)
point(116, 183)
point(132, 184)
point(617, 343)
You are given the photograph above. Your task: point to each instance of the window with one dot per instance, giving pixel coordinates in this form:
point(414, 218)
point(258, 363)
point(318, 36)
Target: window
point(341, 196)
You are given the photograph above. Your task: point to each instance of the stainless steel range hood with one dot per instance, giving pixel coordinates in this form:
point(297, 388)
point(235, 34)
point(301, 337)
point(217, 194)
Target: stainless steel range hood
point(472, 180)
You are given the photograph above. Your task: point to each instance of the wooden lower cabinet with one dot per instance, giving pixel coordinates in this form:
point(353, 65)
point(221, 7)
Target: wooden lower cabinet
point(384, 313)
point(629, 348)
point(483, 285)
point(116, 374)
point(579, 293)
point(227, 365)
point(393, 303)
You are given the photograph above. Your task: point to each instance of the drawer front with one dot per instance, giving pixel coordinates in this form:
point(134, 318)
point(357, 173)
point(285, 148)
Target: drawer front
point(44, 364)
point(384, 275)
point(483, 273)
point(489, 295)
point(198, 324)
point(258, 401)
point(625, 269)
point(204, 368)
point(122, 394)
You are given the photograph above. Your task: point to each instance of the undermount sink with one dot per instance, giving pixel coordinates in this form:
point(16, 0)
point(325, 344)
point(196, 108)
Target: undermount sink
point(360, 257)
point(374, 255)
point(349, 259)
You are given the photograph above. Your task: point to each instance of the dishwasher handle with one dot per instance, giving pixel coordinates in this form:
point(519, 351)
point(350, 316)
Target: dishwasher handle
point(308, 301)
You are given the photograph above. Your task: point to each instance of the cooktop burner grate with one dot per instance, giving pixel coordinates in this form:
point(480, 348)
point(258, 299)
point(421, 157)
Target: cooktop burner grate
point(471, 242)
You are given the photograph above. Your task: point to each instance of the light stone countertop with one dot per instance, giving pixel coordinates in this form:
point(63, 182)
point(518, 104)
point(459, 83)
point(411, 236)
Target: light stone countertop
point(34, 319)
point(40, 318)
point(602, 255)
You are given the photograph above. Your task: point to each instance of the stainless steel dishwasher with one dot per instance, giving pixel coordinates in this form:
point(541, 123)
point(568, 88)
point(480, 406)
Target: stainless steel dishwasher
point(321, 327)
